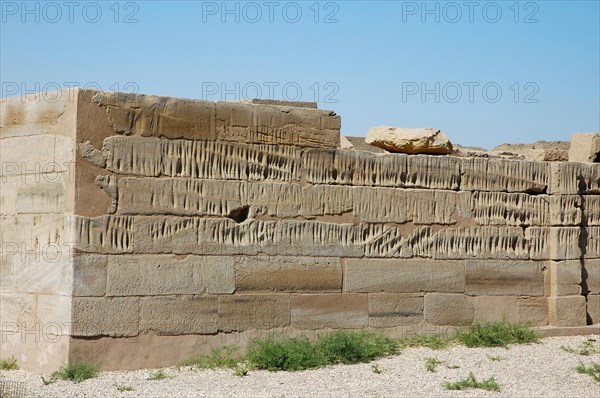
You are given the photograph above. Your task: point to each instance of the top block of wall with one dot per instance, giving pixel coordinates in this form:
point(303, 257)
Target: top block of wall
point(243, 122)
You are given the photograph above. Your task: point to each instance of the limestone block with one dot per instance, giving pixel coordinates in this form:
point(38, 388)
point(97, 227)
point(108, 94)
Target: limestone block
point(395, 309)
point(32, 194)
point(98, 316)
point(593, 308)
point(244, 311)
point(323, 239)
point(288, 274)
point(54, 314)
point(480, 242)
point(567, 311)
point(553, 243)
point(515, 209)
point(179, 315)
point(345, 143)
point(29, 155)
point(89, 275)
point(218, 273)
point(592, 244)
point(504, 278)
point(346, 311)
point(448, 309)
point(153, 275)
point(574, 178)
point(533, 310)
point(106, 234)
point(502, 175)
point(19, 310)
point(129, 155)
point(565, 278)
point(411, 141)
point(8, 194)
point(33, 114)
point(360, 168)
point(404, 276)
point(565, 210)
point(274, 199)
point(495, 308)
point(549, 151)
point(591, 275)
point(585, 148)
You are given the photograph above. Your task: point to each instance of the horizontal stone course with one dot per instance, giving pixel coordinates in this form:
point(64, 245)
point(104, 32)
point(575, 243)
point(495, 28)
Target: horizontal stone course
point(504, 278)
point(395, 309)
point(335, 311)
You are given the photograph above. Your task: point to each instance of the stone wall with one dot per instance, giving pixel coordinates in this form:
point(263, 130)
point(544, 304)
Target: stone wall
point(197, 223)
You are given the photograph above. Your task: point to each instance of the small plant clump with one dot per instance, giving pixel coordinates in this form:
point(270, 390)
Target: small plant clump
point(75, 372)
point(376, 369)
point(9, 364)
point(592, 370)
point(495, 358)
point(471, 382)
point(220, 357)
point(123, 387)
point(158, 375)
point(275, 353)
point(432, 363)
point(434, 342)
point(498, 334)
point(585, 348)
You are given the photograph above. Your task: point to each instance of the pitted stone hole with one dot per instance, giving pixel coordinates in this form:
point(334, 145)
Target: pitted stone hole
point(239, 215)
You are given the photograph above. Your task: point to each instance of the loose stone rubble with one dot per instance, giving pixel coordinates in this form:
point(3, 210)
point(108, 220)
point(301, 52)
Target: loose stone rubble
point(411, 141)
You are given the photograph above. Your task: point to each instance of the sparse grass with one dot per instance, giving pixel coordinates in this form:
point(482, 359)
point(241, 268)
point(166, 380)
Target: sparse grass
point(123, 387)
point(593, 370)
point(432, 363)
point(49, 381)
point(347, 347)
point(241, 370)
point(220, 357)
point(586, 348)
point(76, 372)
point(158, 375)
point(471, 382)
point(433, 342)
point(495, 358)
point(498, 334)
point(376, 369)
point(9, 364)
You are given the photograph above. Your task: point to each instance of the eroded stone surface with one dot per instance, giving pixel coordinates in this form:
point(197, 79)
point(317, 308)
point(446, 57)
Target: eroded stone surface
point(411, 141)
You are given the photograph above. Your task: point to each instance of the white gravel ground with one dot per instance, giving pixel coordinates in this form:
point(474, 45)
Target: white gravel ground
point(533, 370)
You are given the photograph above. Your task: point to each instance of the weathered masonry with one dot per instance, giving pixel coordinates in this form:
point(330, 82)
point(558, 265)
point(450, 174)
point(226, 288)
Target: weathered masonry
point(139, 230)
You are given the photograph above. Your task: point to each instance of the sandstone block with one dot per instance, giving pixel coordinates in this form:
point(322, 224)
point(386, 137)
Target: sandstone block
point(565, 210)
point(29, 155)
point(243, 311)
point(390, 310)
point(448, 309)
point(329, 311)
point(432, 172)
point(480, 242)
point(533, 310)
point(574, 178)
point(89, 275)
point(591, 210)
point(54, 314)
point(502, 175)
point(98, 316)
point(518, 209)
point(592, 244)
point(553, 243)
point(288, 274)
point(567, 311)
point(565, 278)
point(403, 276)
point(547, 151)
point(18, 309)
point(179, 315)
point(495, 308)
point(585, 148)
point(218, 273)
point(593, 308)
point(504, 278)
point(411, 141)
point(591, 275)
point(106, 234)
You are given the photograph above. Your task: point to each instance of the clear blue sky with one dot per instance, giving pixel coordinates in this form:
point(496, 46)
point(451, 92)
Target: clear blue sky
point(402, 63)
